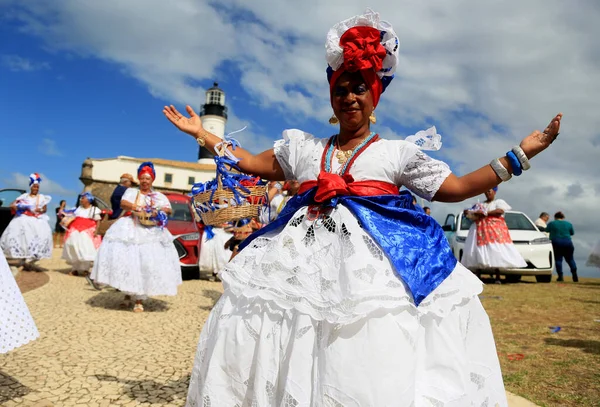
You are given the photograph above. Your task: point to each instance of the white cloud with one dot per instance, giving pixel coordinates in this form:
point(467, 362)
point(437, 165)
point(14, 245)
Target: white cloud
point(49, 147)
point(47, 186)
point(17, 63)
point(485, 73)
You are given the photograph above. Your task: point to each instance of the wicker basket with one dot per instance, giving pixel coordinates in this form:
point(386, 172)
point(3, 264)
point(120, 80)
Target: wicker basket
point(207, 203)
point(144, 218)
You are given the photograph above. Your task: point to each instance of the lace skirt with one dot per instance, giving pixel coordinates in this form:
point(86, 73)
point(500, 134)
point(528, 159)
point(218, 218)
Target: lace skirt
point(490, 255)
point(81, 248)
point(316, 316)
point(27, 237)
point(16, 324)
point(137, 259)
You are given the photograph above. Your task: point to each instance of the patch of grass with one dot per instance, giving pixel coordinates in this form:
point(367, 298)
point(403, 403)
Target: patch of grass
point(558, 369)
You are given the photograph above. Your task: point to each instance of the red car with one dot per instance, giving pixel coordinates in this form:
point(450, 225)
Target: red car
point(187, 233)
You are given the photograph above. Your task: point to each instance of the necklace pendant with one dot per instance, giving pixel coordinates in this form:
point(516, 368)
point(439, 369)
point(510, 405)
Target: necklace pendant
point(341, 156)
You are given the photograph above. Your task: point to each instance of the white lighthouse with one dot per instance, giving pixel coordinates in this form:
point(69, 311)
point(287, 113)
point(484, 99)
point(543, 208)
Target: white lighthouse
point(214, 116)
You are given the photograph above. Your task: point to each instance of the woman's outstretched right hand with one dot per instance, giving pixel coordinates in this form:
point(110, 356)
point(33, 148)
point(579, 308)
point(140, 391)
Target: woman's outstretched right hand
point(191, 125)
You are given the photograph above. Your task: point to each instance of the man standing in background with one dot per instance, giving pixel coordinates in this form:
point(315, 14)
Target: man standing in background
point(542, 221)
point(115, 199)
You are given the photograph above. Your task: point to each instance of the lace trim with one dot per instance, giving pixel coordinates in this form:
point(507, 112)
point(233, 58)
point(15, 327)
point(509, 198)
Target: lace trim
point(282, 153)
point(424, 175)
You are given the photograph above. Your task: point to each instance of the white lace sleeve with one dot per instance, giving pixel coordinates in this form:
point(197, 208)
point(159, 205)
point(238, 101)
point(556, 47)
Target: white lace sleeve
point(45, 200)
point(288, 151)
point(424, 175)
point(163, 201)
point(501, 204)
point(96, 213)
point(130, 195)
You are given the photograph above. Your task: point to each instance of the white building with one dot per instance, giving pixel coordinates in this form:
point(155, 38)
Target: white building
point(101, 175)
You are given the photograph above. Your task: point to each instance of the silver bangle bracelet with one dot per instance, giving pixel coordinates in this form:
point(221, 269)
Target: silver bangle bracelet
point(522, 157)
point(500, 171)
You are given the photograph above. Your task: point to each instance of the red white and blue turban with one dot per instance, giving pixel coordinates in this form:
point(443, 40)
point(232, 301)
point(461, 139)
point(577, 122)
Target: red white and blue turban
point(363, 44)
point(146, 168)
point(34, 178)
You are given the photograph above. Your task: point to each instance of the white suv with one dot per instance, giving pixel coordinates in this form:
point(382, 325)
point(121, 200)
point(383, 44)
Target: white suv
point(534, 246)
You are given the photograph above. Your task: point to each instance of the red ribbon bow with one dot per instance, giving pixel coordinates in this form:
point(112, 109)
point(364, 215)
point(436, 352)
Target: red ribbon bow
point(331, 185)
point(362, 49)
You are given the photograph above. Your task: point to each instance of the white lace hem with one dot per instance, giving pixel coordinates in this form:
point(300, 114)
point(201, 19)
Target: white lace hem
point(460, 286)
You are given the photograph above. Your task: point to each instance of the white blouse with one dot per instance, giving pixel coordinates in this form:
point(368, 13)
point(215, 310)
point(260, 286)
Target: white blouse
point(35, 202)
point(154, 199)
point(397, 162)
point(90, 213)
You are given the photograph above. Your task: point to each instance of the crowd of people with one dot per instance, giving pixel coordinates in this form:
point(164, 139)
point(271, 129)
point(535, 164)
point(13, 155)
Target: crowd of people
point(341, 270)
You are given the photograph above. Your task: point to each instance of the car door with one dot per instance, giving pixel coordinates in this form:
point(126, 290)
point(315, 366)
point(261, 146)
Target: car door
point(7, 196)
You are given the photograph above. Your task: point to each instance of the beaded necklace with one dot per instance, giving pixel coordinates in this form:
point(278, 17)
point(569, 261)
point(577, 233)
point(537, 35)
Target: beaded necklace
point(331, 148)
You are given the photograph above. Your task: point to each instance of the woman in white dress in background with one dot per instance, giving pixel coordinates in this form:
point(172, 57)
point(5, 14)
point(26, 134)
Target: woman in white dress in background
point(16, 324)
point(489, 245)
point(28, 236)
point(352, 296)
point(81, 242)
point(137, 259)
point(213, 253)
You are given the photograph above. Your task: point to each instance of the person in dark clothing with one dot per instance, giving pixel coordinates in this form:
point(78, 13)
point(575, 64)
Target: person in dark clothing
point(115, 198)
point(59, 231)
point(560, 234)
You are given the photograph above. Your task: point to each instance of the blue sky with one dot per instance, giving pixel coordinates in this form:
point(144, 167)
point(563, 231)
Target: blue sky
point(83, 78)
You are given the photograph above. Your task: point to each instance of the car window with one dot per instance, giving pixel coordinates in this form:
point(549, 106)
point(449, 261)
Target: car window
point(514, 221)
point(8, 196)
point(465, 223)
point(181, 211)
point(518, 221)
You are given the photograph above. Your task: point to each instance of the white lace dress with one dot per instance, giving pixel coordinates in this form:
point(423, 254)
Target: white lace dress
point(491, 255)
point(316, 316)
point(138, 259)
point(80, 247)
point(16, 324)
point(29, 237)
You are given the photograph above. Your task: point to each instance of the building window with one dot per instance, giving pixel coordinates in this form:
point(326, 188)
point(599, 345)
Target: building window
point(191, 180)
point(168, 178)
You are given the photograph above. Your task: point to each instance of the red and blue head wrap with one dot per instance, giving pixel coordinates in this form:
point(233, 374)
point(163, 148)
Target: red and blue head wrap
point(34, 178)
point(146, 168)
point(363, 44)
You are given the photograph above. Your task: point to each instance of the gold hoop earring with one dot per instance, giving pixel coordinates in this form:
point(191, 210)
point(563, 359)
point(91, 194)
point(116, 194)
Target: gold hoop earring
point(373, 118)
point(333, 120)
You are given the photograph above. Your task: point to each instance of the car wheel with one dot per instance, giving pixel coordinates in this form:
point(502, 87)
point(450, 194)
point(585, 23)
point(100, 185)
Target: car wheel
point(513, 278)
point(544, 279)
point(190, 273)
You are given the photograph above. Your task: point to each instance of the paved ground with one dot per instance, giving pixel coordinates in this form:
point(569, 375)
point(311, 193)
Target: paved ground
point(92, 353)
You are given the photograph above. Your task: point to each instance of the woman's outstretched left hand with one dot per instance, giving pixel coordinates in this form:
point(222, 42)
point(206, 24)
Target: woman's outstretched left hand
point(538, 141)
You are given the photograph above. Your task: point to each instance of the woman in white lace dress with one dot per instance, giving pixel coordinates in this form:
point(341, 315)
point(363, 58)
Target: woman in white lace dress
point(352, 297)
point(28, 236)
point(16, 324)
point(489, 245)
point(140, 260)
point(81, 242)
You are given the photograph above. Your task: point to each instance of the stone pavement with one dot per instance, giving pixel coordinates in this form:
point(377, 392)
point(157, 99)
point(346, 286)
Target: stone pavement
point(92, 353)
